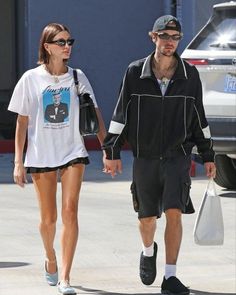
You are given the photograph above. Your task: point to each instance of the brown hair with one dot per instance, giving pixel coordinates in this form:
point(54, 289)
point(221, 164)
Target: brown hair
point(48, 33)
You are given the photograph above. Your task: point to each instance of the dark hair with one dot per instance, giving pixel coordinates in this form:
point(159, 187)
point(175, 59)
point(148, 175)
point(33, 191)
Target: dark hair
point(48, 33)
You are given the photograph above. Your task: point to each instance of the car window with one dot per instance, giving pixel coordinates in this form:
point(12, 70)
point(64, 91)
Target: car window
point(219, 33)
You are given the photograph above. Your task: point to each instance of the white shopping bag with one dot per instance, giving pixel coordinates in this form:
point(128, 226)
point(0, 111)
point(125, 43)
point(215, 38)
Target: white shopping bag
point(209, 226)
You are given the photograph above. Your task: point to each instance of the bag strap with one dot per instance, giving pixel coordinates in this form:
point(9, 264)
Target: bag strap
point(76, 80)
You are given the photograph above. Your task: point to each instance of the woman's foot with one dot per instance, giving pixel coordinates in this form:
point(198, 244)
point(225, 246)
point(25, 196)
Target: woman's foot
point(51, 272)
point(51, 266)
point(64, 287)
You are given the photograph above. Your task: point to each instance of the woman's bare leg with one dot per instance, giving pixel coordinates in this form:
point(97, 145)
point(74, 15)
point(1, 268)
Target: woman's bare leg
point(46, 186)
point(71, 179)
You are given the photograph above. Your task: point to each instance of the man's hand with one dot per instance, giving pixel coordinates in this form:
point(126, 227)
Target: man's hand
point(210, 169)
point(112, 167)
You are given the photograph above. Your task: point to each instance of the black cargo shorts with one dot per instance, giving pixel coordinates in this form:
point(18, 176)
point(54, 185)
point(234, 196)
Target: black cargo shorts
point(161, 184)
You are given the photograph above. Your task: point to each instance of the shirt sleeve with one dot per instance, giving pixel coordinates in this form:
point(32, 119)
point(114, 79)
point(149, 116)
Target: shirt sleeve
point(85, 86)
point(200, 127)
point(117, 132)
point(20, 100)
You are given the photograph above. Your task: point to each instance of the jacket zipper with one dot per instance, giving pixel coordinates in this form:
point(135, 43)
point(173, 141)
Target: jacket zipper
point(138, 126)
point(161, 137)
point(162, 123)
point(162, 119)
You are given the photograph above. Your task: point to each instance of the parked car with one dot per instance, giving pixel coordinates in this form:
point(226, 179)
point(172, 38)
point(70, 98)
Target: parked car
point(213, 52)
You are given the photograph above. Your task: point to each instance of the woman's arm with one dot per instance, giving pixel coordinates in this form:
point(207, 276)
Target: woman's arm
point(102, 133)
point(19, 173)
point(102, 129)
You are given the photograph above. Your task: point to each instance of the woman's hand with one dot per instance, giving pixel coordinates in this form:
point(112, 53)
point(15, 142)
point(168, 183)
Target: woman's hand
point(19, 174)
point(112, 167)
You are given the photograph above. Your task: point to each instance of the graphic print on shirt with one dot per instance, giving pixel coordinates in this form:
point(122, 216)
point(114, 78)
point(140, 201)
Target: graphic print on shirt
point(56, 105)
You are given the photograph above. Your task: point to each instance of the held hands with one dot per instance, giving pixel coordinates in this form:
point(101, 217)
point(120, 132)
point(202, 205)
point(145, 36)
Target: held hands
point(112, 167)
point(210, 169)
point(19, 174)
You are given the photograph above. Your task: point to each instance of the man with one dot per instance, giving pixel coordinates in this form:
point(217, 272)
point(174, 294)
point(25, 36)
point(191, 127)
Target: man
point(58, 111)
point(160, 113)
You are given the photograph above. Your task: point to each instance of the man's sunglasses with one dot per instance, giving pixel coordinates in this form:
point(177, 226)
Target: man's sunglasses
point(62, 42)
point(165, 36)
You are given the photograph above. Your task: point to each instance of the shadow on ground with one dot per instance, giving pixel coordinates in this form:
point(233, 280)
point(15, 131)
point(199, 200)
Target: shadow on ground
point(9, 264)
point(228, 194)
point(103, 292)
point(196, 292)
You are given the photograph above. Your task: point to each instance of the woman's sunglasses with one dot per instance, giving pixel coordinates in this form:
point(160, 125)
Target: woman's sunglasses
point(165, 36)
point(62, 42)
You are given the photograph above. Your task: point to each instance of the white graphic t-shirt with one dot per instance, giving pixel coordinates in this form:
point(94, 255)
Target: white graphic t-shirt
point(53, 111)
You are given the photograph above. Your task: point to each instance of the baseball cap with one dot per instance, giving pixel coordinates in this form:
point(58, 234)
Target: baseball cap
point(167, 22)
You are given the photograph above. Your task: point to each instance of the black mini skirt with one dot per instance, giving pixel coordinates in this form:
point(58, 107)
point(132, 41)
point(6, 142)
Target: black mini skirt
point(84, 161)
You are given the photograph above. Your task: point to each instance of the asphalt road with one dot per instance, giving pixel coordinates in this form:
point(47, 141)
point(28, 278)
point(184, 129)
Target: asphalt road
point(107, 255)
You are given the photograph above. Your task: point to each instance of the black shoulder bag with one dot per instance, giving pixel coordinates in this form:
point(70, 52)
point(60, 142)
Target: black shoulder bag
point(88, 121)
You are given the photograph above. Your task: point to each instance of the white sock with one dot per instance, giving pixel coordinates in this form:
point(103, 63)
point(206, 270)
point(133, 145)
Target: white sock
point(148, 251)
point(170, 271)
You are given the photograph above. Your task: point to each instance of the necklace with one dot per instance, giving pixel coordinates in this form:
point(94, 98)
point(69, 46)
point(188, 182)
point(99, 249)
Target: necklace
point(164, 81)
point(55, 77)
point(166, 73)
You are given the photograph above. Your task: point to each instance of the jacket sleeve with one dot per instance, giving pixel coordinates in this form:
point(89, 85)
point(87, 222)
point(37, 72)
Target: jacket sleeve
point(200, 128)
point(116, 136)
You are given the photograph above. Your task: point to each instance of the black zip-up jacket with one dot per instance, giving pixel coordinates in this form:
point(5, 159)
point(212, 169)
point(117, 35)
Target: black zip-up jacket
point(157, 125)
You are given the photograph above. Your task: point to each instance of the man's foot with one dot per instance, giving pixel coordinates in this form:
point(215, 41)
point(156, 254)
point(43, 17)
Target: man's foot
point(147, 268)
point(173, 286)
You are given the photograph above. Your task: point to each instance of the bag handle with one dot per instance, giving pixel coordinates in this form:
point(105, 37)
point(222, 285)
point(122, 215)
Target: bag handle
point(76, 81)
point(211, 185)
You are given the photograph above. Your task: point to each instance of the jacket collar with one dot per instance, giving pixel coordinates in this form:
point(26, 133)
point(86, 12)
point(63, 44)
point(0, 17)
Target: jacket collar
point(147, 71)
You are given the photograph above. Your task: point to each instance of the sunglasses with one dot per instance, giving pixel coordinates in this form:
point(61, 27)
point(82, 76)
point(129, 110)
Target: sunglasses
point(63, 42)
point(165, 36)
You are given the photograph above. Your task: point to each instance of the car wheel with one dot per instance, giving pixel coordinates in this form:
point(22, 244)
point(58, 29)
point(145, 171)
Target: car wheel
point(226, 172)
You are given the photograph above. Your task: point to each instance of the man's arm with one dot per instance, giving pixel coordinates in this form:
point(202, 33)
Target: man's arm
point(49, 116)
point(117, 131)
point(201, 133)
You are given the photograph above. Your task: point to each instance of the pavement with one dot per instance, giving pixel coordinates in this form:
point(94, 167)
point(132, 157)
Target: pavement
point(107, 255)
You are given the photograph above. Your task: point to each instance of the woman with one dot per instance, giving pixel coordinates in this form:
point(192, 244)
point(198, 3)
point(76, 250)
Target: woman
point(46, 101)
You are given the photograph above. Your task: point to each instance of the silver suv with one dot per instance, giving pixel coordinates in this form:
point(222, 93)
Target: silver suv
point(213, 52)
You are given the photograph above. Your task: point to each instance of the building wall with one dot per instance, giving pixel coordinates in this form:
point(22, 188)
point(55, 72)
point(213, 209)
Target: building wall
point(109, 35)
point(7, 60)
